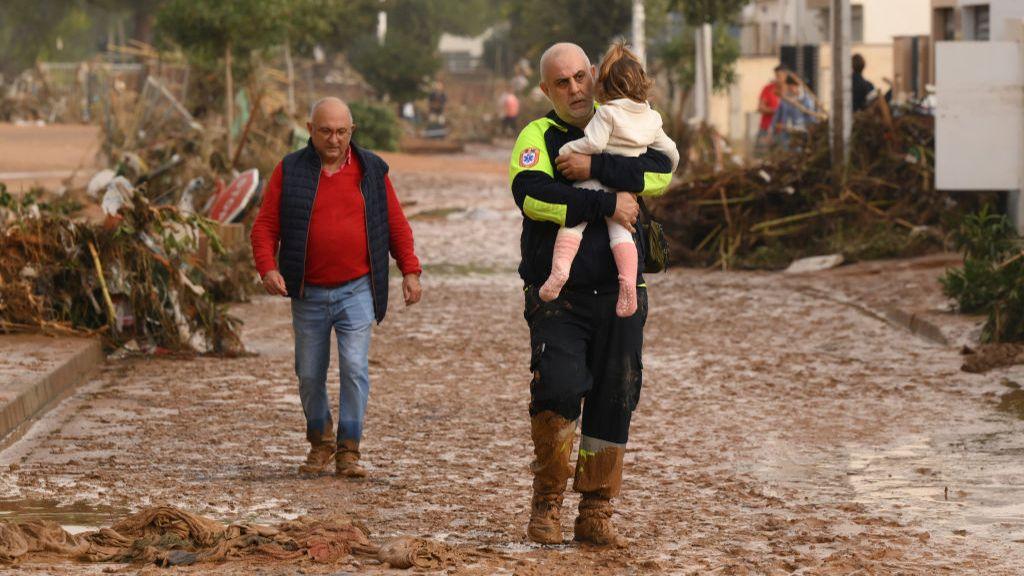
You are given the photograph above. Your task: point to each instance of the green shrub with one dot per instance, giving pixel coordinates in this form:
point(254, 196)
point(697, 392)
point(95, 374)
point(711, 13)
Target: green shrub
point(992, 279)
point(377, 126)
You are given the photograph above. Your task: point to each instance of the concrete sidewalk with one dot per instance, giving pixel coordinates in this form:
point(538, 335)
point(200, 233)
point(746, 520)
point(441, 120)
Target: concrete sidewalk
point(905, 293)
point(36, 370)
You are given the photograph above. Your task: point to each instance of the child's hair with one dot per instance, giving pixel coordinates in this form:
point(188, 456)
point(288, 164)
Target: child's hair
point(622, 75)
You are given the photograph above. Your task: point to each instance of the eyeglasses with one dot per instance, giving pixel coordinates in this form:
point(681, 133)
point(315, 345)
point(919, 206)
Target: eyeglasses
point(327, 132)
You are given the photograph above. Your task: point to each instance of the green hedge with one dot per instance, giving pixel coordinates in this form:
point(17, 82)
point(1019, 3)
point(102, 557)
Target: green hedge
point(377, 126)
point(992, 279)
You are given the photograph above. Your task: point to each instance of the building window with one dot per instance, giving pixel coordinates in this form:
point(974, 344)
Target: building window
point(856, 24)
point(981, 22)
point(945, 25)
point(823, 23)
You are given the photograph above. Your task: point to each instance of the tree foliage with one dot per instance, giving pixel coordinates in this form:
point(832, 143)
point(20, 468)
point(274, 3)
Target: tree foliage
point(36, 30)
point(204, 28)
point(408, 58)
point(676, 58)
point(537, 24)
point(719, 12)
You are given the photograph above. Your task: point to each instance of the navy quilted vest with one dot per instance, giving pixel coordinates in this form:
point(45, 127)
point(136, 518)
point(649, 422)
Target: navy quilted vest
point(301, 175)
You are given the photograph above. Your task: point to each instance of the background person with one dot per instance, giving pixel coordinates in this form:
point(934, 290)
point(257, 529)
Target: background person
point(328, 221)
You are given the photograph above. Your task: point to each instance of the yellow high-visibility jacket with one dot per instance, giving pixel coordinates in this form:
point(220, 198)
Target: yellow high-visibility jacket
point(548, 201)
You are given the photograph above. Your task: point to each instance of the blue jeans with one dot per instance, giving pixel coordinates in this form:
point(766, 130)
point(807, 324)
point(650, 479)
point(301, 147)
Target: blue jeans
point(348, 309)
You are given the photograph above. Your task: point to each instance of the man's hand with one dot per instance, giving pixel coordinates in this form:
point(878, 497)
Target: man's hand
point(273, 283)
point(575, 167)
point(626, 210)
point(411, 289)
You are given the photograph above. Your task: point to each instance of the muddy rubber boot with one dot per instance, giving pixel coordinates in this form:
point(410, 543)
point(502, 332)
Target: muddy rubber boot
point(598, 479)
point(594, 523)
point(346, 461)
point(552, 446)
point(318, 459)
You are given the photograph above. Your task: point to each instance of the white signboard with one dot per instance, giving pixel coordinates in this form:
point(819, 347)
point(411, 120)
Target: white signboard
point(979, 118)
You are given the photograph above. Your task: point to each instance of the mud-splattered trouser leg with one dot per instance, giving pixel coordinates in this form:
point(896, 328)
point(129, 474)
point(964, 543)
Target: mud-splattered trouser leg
point(348, 310)
point(582, 353)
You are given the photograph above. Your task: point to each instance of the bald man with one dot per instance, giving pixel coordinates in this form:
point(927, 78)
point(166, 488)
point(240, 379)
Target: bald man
point(328, 222)
point(583, 354)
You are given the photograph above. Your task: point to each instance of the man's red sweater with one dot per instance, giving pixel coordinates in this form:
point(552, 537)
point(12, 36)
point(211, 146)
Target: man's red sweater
point(336, 249)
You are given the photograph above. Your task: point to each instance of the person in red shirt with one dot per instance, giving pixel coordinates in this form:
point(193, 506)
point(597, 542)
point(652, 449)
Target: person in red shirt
point(767, 104)
point(328, 221)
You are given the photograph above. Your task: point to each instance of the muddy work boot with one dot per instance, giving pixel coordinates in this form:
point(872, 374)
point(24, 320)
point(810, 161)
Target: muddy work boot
point(594, 523)
point(321, 449)
point(346, 461)
point(319, 457)
point(552, 445)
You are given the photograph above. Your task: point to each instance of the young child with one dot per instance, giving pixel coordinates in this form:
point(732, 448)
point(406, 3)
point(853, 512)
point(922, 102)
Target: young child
point(625, 125)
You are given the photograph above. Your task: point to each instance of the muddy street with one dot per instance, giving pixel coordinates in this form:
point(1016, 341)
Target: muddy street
point(778, 432)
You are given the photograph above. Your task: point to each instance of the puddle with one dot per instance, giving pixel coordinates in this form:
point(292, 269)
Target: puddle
point(76, 517)
point(968, 480)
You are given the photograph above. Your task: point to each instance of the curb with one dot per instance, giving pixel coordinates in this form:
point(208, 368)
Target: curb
point(891, 315)
point(37, 397)
point(915, 324)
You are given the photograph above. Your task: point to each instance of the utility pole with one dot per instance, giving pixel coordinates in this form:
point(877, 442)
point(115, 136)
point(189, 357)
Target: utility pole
point(382, 24)
point(639, 38)
point(702, 84)
point(841, 119)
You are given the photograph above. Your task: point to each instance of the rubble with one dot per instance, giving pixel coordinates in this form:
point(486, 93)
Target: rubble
point(136, 255)
point(168, 536)
point(132, 278)
point(784, 208)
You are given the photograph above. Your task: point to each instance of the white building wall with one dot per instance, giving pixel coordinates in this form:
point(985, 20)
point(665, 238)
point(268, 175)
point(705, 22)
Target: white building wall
point(1001, 13)
point(884, 19)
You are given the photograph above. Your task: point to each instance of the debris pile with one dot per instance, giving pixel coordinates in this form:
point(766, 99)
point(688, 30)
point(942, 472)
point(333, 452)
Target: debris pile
point(767, 215)
point(146, 252)
point(168, 536)
point(133, 278)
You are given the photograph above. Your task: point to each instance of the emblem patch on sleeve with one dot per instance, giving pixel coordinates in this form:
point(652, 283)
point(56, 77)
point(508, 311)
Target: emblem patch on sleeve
point(529, 157)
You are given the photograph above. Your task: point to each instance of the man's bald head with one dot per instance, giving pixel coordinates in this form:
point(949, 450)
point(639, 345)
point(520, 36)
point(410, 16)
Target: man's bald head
point(330, 105)
point(559, 52)
point(567, 79)
point(330, 128)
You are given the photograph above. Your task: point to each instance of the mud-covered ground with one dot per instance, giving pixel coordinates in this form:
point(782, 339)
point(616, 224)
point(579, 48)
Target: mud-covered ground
point(779, 430)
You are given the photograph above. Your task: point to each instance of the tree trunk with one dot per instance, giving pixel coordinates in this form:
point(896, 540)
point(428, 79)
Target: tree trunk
point(290, 67)
point(143, 25)
point(230, 99)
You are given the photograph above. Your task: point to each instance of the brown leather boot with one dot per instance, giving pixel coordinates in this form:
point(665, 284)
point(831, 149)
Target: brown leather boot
point(321, 450)
point(594, 523)
point(319, 457)
point(552, 446)
point(346, 461)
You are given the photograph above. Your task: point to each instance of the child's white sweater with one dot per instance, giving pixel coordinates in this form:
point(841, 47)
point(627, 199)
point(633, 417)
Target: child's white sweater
point(627, 128)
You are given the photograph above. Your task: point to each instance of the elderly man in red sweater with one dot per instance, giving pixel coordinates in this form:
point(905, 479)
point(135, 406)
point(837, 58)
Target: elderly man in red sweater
point(328, 222)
